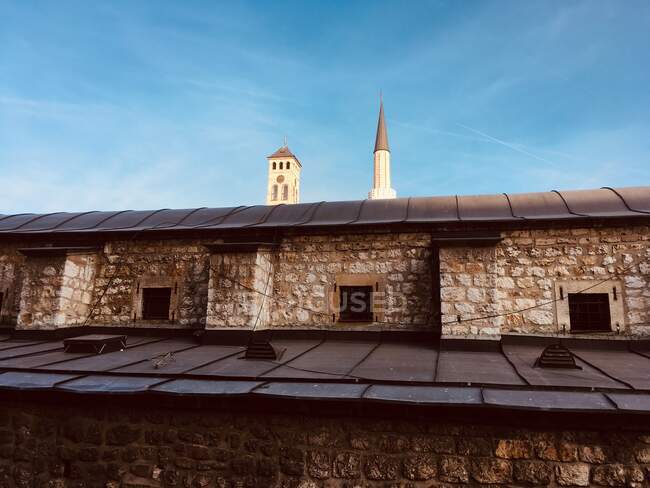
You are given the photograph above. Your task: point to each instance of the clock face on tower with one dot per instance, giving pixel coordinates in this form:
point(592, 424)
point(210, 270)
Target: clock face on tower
point(280, 179)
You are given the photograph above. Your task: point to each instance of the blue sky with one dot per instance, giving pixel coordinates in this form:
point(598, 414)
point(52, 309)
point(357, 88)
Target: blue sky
point(152, 104)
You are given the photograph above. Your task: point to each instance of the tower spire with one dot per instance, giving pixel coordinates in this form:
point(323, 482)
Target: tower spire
point(381, 187)
point(381, 141)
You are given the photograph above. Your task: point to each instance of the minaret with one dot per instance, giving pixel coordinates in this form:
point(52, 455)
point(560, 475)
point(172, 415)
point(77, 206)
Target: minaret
point(381, 176)
point(284, 177)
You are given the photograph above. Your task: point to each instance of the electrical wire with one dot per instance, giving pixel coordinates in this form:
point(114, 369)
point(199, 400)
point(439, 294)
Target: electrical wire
point(328, 315)
point(462, 320)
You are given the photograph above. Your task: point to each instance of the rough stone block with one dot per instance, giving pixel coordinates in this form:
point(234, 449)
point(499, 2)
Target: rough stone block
point(575, 474)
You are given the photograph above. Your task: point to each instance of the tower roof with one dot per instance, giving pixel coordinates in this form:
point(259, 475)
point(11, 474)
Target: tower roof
point(381, 142)
point(283, 152)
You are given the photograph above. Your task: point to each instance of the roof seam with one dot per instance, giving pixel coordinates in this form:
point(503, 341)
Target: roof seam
point(72, 218)
point(35, 219)
point(567, 205)
point(624, 201)
point(601, 370)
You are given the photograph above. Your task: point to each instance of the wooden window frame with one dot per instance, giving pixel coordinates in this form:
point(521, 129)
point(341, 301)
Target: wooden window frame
point(157, 282)
point(375, 280)
point(616, 295)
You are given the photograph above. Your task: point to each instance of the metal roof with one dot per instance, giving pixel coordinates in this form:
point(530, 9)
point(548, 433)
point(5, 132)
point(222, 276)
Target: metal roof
point(604, 203)
point(613, 377)
point(283, 152)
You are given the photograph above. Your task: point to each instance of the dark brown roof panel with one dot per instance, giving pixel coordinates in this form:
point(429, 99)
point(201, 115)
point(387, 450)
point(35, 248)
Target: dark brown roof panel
point(523, 358)
point(636, 198)
point(335, 213)
point(109, 384)
point(424, 395)
point(235, 366)
point(632, 369)
point(383, 211)
point(205, 387)
point(547, 400)
point(249, 216)
point(112, 360)
point(86, 221)
point(13, 222)
point(595, 203)
point(51, 222)
point(205, 217)
point(125, 220)
point(20, 380)
point(165, 218)
point(289, 215)
point(432, 209)
point(399, 362)
point(484, 207)
point(632, 402)
point(539, 206)
point(320, 391)
point(484, 367)
point(332, 359)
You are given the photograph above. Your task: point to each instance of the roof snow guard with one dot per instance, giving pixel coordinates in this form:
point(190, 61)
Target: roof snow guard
point(604, 203)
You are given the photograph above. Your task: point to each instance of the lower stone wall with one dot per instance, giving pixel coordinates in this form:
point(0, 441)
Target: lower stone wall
point(113, 446)
point(516, 281)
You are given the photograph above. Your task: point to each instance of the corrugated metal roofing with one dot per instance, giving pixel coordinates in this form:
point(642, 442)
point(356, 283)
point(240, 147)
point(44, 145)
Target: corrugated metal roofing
point(361, 368)
point(611, 203)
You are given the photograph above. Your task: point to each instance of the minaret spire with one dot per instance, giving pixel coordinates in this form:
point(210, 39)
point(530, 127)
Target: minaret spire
point(381, 177)
point(381, 141)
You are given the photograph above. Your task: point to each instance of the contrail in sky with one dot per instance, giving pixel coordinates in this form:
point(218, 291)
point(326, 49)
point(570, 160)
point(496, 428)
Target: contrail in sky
point(508, 145)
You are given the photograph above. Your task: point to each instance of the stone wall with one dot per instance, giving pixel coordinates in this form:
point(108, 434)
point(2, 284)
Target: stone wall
point(217, 290)
point(125, 264)
point(308, 266)
point(41, 291)
point(84, 446)
point(56, 291)
point(11, 265)
point(8, 281)
point(240, 289)
point(523, 270)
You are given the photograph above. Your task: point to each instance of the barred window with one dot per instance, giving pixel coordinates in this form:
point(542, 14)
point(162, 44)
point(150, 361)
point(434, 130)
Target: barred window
point(156, 303)
point(589, 312)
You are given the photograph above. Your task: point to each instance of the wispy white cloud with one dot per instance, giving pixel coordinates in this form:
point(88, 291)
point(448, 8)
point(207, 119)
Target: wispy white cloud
point(514, 147)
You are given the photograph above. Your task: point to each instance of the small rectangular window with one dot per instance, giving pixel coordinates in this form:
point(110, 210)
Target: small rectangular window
point(589, 312)
point(355, 304)
point(156, 303)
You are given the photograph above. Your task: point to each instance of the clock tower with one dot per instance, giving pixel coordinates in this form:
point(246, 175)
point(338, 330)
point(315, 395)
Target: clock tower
point(284, 177)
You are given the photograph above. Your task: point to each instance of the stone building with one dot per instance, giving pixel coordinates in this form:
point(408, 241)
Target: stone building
point(283, 184)
point(412, 342)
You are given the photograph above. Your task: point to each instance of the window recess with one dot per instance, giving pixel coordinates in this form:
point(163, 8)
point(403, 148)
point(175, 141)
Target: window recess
point(358, 297)
point(583, 306)
point(589, 312)
point(156, 303)
point(355, 304)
